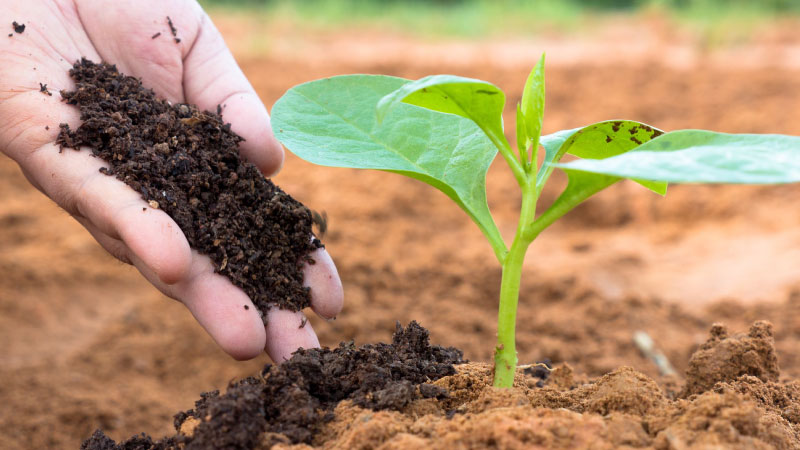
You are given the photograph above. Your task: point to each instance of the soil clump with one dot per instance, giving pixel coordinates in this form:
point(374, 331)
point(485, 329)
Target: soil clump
point(186, 162)
point(288, 403)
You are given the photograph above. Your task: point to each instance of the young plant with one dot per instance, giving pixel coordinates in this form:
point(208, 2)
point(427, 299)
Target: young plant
point(445, 130)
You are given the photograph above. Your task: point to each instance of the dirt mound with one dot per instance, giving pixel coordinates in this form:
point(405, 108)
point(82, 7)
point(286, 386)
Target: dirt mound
point(289, 402)
point(726, 358)
point(386, 405)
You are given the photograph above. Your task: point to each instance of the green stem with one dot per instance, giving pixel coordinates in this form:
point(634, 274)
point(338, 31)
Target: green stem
point(563, 204)
point(505, 356)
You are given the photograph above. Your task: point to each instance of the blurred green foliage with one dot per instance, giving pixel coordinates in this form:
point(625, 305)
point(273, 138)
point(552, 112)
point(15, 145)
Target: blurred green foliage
point(481, 17)
point(773, 6)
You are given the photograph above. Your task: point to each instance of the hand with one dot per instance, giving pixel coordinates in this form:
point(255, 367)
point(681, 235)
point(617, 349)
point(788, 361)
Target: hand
point(200, 70)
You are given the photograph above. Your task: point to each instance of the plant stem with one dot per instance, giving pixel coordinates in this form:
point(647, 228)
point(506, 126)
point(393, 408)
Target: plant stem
point(505, 356)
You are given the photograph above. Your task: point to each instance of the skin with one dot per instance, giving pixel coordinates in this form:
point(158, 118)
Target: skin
point(201, 70)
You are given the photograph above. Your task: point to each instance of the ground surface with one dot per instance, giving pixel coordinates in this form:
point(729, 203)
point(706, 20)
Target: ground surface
point(87, 343)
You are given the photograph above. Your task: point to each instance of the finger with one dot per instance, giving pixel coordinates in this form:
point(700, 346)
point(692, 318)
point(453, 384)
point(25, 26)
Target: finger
point(288, 331)
point(217, 306)
point(116, 210)
point(327, 295)
point(114, 247)
point(211, 77)
point(221, 308)
point(122, 33)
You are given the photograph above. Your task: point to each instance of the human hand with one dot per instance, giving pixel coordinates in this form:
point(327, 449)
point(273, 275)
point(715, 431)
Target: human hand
point(199, 69)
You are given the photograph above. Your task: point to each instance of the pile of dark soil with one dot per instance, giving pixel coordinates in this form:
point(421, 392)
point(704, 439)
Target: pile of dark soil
point(186, 162)
point(290, 402)
point(376, 397)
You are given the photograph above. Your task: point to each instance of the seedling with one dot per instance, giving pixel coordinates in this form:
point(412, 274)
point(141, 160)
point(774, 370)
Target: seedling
point(445, 131)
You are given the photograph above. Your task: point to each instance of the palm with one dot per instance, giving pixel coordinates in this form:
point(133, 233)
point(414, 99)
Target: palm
point(199, 70)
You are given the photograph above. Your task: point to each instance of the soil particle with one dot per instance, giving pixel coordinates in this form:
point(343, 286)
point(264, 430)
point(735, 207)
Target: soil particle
point(289, 402)
point(186, 162)
point(725, 358)
point(155, 35)
point(43, 89)
point(173, 30)
point(19, 28)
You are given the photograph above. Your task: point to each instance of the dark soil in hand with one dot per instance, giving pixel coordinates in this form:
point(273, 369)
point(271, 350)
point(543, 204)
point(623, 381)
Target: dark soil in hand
point(186, 162)
point(290, 402)
point(19, 28)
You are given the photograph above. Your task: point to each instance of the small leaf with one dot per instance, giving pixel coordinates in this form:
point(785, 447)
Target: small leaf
point(522, 135)
point(533, 104)
point(332, 122)
point(477, 100)
point(597, 141)
point(698, 156)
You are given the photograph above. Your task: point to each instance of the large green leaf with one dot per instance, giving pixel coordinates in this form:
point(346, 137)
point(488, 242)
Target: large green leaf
point(697, 156)
point(332, 122)
point(597, 141)
point(477, 100)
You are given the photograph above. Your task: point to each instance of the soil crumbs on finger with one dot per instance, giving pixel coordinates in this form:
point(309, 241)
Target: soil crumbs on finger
point(187, 162)
point(289, 403)
point(173, 30)
point(19, 28)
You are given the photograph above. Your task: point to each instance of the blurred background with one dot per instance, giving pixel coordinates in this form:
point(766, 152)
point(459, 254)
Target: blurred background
point(87, 343)
point(481, 18)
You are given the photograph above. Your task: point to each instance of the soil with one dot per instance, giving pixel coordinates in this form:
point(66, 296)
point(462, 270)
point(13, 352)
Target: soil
point(186, 162)
point(292, 401)
point(365, 398)
point(88, 344)
point(19, 28)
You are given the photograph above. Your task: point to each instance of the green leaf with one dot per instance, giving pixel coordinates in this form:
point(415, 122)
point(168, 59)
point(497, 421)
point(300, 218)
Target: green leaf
point(522, 137)
point(697, 156)
point(332, 122)
point(597, 141)
point(477, 100)
point(532, 107)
